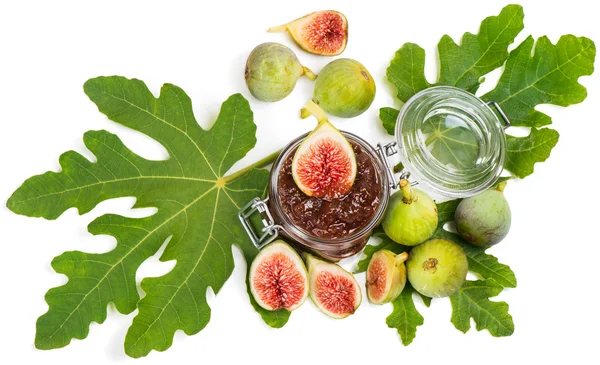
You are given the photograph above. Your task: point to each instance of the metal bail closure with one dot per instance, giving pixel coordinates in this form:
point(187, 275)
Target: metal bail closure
point(385, 151)
point(501, 112)
point(270, 230)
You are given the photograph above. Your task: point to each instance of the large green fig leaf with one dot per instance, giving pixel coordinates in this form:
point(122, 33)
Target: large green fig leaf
point(549, 76)
point(405, 318)
point(197, 211)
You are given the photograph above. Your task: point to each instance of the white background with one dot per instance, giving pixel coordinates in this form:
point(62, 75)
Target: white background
point(48, 49)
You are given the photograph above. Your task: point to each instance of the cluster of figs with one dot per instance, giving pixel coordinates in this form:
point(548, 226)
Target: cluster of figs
point(324, 166)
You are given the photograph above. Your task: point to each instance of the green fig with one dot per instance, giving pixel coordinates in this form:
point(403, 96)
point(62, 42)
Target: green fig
point(411, 216)
point(272, 70)
point(484, 219)
point(344, 88)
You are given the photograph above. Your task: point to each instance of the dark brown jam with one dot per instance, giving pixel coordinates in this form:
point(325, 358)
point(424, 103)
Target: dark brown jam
point(337, 218)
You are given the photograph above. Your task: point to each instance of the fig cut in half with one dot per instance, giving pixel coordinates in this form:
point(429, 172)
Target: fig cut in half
point(323, 32)
point(333, 290)
point(324, 164)
point(386, 276)
point(278, 278)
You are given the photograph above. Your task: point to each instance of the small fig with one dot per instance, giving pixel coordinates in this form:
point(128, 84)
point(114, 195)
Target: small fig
point(278, 277)
point(386, 276)
point(324, 165)
point(322, 32)
point(484, 219)
point(333, 290)
point(272, 70)
point(411, 216)
point(344, 88)
point(437, 268)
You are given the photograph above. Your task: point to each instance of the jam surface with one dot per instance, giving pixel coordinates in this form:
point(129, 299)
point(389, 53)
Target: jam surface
point(338, 217)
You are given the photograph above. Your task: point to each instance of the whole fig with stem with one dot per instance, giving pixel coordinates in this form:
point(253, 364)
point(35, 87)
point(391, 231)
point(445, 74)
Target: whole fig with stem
point(411, 216)
point(272, 71)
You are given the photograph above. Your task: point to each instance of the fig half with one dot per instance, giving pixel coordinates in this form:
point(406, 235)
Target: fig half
point(333, 290)
point(272, 71)
point(411, 216)
point(324, 165)
point(323, 33)
point(278, 277)
point(386, 276)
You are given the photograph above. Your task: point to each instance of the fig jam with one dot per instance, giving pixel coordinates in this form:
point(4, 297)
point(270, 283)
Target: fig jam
point(336, 218)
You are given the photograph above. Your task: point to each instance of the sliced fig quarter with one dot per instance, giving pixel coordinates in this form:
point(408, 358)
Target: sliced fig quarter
point(386, 276)
point(323, 32)
point(278, 277)
point(333, 290)
point(324, 164)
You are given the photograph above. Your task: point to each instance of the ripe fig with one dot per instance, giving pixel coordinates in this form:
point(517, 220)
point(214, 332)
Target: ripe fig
point(333, 290)
point(386, 276)
point(344, 88)
point(484, 219)
point(411, 216)
point(278, 277)
point(324, 165)
point(322, 32)
point(272, 70)
point(437, 268)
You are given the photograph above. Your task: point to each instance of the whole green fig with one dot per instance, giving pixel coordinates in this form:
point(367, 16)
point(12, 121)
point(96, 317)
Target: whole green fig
point(272, 70)
point(484, 219)
point(344, 88)
point(411, 216)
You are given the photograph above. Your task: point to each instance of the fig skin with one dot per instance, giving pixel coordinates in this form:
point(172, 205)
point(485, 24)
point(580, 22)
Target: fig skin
point(411, 216)
point(272, 71)
point(437, 268)
point(259, 288)
point(323, 33)
point(484, 220)
point(394, 275)
point(318, 267)
point(344, 88)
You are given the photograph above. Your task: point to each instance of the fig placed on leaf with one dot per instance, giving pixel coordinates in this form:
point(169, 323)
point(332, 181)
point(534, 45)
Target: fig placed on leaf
point(484, 219)
point(333, 290)
point(411, 216)
point(278, 277)
point(272, 70)
point(344, 88)
point(324, 165)
point(437, 268)
point(386, 276)
point(322, 32)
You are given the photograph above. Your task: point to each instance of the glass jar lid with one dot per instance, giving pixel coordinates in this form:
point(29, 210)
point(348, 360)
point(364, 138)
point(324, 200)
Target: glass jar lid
point(451, 141)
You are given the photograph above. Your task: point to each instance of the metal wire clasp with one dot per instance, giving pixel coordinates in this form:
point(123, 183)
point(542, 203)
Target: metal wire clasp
point(501, 112)
point(270, 230)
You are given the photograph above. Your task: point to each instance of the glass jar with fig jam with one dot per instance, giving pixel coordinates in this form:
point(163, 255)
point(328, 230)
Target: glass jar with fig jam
point(334, 228)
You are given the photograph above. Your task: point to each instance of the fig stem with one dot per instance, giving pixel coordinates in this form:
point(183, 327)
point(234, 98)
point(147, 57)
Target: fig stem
point(407, 192)
point(258, 164)
point(501, 186)
point(400, 258)
point(312, 108)
point(308, 73)
point(278, 28)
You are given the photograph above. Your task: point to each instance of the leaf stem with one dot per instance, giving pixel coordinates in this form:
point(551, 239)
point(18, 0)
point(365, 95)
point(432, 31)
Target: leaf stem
point(258, 164)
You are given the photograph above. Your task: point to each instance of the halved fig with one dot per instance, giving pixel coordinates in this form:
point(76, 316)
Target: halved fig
point(386, 276)
point(333, 290)
point(278, 277)
point(323, 32)
point(324, 165)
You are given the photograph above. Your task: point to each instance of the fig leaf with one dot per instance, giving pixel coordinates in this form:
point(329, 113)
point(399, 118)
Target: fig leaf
point(197, 206)
point(549, 76)
point(405, 318)
point(471, 301)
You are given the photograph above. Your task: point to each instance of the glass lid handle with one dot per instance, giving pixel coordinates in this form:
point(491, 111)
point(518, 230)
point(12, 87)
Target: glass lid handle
point(268, 232)
point(501, 112)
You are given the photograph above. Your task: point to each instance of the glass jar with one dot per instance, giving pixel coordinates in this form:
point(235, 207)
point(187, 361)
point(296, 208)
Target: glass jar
point(275, 222)
point(450, 141)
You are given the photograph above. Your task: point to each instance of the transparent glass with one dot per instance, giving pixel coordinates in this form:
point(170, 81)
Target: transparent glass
point(451, 141)
point(332, 249)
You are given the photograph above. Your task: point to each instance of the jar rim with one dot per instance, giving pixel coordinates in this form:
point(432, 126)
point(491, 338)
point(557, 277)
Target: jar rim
point(321, 243)
point(425, 168)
